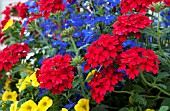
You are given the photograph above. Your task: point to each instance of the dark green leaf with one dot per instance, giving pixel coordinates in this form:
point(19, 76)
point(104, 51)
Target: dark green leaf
point(149, 32)
point(139, 99)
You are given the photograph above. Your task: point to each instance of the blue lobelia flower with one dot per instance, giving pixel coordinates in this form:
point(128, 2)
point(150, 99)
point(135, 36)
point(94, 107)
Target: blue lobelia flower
point(42, 92)
point(69, 105)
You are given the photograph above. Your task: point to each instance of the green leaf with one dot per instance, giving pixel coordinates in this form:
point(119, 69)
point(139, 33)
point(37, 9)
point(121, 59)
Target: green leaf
point(24, 74)
point(76, 82)
point(149, 32)
point(162, 75)
point(124, 109)
point(138, 89)
point(162, 86)
point(21, 101)
point(138, 98)
point(101, 107)
point(163, 108)
point(166, 30)
point(166, 102)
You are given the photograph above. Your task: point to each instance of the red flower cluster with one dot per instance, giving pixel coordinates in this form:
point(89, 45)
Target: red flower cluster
point(167, 2)
point(103, 51)
point(56, 74)
point(22, 10)
point(127, 24)
point(50, 6)
point(10, 55)
point(135, 59)
point(137, 5)
point(104, 81)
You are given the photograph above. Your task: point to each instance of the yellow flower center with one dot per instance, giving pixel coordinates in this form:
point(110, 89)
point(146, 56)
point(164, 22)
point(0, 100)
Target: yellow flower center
point(9, 97)
point(29, 107)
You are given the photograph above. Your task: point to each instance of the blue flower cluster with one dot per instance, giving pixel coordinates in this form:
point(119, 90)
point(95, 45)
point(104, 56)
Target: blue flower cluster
point(166, 17)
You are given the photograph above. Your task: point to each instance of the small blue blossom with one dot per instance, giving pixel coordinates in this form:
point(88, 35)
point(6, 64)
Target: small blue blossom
point(42, 92)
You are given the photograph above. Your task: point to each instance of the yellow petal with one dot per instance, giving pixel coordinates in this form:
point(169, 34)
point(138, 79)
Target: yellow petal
point(64, 109)
point(45, 103)
point(14, 106)
point(8, 24)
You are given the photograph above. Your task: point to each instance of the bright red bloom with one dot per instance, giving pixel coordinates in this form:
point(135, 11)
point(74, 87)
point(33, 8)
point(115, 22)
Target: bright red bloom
point(103, 51)
point(22, 10)
point(56, 74)
point(103, 82)
point(50, 6)
point(127, 24)
point(137, 5)
point(135, 59)
point(167, 2)
point(10, 55)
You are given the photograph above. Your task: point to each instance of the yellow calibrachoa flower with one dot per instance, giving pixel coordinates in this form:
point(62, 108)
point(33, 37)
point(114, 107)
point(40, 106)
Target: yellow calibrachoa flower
point(82, 105)
point(44, 103)
point(29, 105)
point(22, 85)
point(34, 81)
point(90, 74)
point(8, 24)
point(64, 109)
point(14, 106)
point(8, 95)
point(149, 110)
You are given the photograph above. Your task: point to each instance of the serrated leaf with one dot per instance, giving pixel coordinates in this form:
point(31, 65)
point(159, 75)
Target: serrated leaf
point(163, 108)
point(162, 86)
point(166, 102)
point(138, 98)
point(101, 107)
point(149, 32)
point(162, 75)
point(138, 89)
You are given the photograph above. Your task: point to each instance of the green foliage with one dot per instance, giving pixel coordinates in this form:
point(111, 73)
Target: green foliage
point(138, 98)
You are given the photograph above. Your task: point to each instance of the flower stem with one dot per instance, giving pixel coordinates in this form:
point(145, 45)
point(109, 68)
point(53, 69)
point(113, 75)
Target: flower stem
point(74, 46)
point(153, 85)
point(159, 42)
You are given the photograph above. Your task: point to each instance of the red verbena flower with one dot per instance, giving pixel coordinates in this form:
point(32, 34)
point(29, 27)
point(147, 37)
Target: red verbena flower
point(22, 10)
point(50, 6)
point(167, 2)
point(103, 51)
point(56, 74)
point(136, 5)
point(10, 55)
point(127, 24)
point(135, 59)
point(103, 82)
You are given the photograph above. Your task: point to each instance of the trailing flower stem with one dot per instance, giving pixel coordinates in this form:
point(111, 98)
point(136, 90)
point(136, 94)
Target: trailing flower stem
point(153, 85)
point(158, 38)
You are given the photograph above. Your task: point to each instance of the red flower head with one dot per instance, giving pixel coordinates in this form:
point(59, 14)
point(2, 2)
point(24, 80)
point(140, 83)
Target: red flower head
point(167, 2)
point(103, 51)
point(56, 74)
point(50, 6)
point(104, 81)
point(137, 5)
point(136, 59)
point(10, 55)
point(22, 10)
point(127, 24)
